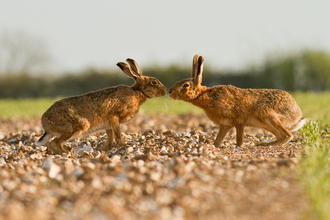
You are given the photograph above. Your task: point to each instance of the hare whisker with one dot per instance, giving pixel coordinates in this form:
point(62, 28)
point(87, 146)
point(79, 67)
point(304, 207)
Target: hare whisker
point(166, 106)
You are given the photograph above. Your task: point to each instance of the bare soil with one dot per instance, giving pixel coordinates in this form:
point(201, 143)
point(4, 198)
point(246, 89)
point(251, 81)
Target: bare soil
point(169, 169)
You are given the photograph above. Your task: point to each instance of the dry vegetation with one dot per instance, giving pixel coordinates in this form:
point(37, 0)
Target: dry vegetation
point(169, 169)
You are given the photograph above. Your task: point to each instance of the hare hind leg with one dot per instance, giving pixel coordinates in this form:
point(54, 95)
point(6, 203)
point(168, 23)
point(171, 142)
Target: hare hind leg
point(56, 145)
point(282, 135)
point(75, 128)
point(44, 139)
point(223, 130)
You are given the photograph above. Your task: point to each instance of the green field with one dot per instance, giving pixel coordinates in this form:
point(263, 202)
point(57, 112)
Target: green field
point(36, 107)
point(314, 105)
point(24, 107)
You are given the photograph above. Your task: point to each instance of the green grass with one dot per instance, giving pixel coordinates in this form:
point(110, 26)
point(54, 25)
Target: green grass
point(314, 170)
point(315, 106)
point(24, 107)
point(36, 107)
point(168, 106)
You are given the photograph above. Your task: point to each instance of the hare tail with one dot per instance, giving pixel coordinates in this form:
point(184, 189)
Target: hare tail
point(44, 139)
point(298, 125)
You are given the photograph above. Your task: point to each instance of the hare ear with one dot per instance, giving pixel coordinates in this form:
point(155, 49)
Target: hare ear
point(198, 77)
point(194, 69)
point(125, 68)
point(134, 67)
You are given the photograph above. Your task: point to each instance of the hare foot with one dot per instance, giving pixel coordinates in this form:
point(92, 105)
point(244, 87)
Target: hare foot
point(277, 142)
point(57, 149)
point(105, 147)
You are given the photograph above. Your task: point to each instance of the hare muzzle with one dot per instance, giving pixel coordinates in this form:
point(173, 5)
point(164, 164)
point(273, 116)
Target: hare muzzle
point(162, 91)
point(172, 93)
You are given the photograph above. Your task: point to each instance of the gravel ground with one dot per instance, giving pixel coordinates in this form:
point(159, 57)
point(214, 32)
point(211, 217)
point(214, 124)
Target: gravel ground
point(168, 169)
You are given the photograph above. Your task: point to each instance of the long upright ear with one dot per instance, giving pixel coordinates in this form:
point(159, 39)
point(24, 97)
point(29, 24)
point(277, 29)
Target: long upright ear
point(194, 68)
point(198, 76)
point(125, 68)
point(134, 67)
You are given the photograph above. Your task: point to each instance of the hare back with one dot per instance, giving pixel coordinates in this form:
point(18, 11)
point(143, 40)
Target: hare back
point(232, 105)
point(104, 107)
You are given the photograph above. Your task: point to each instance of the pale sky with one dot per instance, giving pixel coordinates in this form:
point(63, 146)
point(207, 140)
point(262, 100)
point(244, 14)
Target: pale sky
point(229, 34)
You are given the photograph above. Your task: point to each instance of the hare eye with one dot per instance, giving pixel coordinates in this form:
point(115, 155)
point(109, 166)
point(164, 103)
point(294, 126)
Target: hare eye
point(186, 85)
point(154, 82)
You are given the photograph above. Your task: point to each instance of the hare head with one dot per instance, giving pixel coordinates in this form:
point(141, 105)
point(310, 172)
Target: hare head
point(189, 89)
point(149, 86)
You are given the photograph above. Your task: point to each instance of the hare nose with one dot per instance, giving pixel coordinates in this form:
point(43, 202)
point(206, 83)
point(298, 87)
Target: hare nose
point(170, 91)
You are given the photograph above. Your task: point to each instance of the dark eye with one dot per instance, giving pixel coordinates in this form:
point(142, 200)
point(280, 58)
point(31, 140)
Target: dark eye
point(186, 85)
point(154, 82)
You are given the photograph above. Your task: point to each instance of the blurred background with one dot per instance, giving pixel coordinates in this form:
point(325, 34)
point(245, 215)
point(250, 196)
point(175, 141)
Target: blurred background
point(62, 48)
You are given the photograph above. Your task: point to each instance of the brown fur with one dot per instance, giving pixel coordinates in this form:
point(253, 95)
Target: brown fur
point(229, 106)
point(103, 109)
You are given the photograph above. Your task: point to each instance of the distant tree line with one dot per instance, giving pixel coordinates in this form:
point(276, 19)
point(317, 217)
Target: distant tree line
point(307, 70)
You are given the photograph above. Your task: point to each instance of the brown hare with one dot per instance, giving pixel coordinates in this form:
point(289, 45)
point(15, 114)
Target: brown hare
point(229, 106)
point(103, 109)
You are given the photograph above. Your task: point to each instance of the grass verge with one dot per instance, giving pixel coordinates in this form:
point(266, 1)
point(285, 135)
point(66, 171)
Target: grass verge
point(314, 172)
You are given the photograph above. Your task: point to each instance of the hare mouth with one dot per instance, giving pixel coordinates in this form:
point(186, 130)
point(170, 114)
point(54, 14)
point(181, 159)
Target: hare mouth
point(162, 93)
